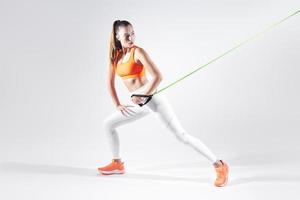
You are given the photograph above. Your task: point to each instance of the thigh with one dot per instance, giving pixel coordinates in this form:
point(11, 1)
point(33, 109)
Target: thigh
point(162, 107)
point(117, 118)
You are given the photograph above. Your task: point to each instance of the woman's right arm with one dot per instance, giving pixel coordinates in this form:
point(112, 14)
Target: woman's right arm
point(125, 110)
point(111, 85)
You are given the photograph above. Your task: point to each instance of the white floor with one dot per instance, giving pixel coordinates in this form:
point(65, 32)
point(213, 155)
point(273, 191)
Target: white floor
point(148, 181)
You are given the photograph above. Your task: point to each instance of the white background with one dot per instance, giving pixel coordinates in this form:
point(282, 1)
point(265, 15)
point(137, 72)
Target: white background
point(54, 97)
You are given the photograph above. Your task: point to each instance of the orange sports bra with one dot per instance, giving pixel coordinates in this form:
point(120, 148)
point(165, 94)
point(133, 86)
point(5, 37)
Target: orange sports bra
point(130, 69)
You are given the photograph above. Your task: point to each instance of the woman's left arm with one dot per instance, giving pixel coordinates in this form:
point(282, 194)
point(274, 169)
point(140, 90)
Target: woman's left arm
point(144, 58)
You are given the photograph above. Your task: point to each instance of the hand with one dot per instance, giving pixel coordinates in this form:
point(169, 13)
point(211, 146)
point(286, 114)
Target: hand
point(137, 100)
point(125, 110)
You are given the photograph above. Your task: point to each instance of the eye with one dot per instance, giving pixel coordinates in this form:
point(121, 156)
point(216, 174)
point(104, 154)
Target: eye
point(131, 34)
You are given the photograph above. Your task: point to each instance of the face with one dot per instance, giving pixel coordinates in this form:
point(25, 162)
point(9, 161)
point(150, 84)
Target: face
point(126, 36)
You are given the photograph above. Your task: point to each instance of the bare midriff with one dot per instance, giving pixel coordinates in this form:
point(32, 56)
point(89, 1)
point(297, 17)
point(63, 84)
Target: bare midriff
point(133, 84)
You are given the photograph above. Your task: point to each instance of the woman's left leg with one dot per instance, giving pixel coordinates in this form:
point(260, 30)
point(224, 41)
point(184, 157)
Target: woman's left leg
point(160, 105)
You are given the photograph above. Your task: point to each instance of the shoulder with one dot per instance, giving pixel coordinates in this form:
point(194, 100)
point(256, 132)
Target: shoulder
point(139, 52)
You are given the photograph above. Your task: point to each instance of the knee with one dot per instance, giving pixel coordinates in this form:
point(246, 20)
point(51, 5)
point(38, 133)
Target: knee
point(108, 125)
point(182, 136)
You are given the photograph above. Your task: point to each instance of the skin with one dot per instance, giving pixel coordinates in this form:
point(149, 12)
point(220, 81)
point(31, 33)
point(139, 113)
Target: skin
point(126, 37)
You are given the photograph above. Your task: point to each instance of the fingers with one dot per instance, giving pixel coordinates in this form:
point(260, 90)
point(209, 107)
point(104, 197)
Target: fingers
point(131, 111)
point(126, 111)
point(123, 113)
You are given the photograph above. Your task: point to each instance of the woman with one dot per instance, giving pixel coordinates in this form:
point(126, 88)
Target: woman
point(130, 62)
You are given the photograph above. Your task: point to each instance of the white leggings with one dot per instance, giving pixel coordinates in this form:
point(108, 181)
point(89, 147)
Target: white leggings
point(161, 107)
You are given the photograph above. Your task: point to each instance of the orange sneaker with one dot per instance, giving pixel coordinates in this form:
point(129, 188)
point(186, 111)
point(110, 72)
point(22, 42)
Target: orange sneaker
point(114, 167)
point(222, 174)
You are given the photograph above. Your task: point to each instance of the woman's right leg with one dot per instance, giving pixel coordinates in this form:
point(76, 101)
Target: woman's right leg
point(110, 124)
point(117, 119)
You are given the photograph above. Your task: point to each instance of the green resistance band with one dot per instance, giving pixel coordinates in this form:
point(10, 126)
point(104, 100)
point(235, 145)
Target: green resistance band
point(148, 97)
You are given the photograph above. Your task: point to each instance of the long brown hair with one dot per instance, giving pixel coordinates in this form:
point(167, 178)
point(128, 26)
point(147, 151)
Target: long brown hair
point(115, 44)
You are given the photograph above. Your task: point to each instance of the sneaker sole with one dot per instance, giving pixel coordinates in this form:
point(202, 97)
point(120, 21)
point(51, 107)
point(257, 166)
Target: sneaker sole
point(116, 171)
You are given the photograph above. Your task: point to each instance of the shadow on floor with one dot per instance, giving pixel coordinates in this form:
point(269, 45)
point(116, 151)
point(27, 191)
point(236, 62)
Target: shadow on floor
point(262, 176)
point(272, 177)
point(20, 167)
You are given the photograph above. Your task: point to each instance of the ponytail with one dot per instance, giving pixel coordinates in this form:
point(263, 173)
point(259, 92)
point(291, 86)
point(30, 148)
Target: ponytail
point(115, 44)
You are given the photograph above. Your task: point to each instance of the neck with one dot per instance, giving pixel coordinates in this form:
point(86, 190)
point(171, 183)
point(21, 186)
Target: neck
point(126, 49)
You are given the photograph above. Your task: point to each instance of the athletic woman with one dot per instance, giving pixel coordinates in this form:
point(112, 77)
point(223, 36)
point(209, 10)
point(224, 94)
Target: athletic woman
point(131, 63)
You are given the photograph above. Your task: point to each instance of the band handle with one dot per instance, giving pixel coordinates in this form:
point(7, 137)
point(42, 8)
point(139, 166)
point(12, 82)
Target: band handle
point(148, 98)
